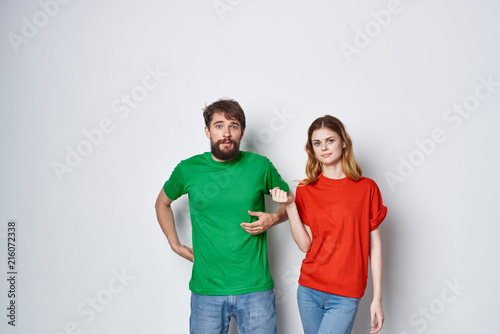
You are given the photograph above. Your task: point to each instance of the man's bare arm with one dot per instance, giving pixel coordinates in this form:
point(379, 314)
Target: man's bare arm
point(265, 221)
point(165, 217)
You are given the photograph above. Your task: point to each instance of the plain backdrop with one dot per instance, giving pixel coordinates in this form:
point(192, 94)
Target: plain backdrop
point(100, 100)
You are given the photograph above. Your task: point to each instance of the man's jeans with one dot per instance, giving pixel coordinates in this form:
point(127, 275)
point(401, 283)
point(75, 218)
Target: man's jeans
point(323, 312)
point(255, 313)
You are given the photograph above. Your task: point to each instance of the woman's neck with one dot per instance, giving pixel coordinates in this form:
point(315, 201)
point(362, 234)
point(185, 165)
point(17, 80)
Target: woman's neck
point(333, 171)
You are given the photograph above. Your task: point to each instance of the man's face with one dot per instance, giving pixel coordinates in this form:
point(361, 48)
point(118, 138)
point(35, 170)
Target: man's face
point(225, 136)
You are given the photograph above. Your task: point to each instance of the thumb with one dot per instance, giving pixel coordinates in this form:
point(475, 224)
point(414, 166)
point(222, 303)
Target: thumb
point(254, 213)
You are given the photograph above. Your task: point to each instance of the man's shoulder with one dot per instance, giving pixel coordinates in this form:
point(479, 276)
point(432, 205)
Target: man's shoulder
point(195, 159)
point(251, 156)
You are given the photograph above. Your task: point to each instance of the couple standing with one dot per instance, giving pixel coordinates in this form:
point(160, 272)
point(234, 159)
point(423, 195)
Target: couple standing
point(334, 219)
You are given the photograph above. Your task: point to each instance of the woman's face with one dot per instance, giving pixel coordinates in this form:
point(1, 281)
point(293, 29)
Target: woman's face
point(327, 146)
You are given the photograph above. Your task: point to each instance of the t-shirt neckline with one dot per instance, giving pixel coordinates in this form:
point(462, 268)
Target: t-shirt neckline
point(334, 182)
point(208, 156)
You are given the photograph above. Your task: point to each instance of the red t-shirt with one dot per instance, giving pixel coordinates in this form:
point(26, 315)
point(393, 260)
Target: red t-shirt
point(341, 214)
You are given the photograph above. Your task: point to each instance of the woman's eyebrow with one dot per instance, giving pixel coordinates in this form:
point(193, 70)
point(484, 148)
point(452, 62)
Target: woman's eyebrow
point(331, 137)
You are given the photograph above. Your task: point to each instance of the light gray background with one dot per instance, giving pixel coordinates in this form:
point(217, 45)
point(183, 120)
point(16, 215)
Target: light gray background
point(65, 69)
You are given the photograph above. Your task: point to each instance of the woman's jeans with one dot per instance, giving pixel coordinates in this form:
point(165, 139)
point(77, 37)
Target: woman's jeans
point(323, 312)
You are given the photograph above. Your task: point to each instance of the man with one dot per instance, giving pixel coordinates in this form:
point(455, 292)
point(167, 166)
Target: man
point(226, 187)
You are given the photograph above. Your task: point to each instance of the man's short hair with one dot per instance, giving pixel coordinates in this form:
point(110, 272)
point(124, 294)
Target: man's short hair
point(230, 108)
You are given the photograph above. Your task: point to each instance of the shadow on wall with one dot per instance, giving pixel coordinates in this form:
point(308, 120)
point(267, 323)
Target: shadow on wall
point(362, 324)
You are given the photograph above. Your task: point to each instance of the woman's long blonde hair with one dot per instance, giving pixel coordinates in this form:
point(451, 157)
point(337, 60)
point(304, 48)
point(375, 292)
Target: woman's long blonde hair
point(314, 168)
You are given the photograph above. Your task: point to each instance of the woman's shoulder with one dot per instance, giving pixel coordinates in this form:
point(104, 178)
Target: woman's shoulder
point(367, 182)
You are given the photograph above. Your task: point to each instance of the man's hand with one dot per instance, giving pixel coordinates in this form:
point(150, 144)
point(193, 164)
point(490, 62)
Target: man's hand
point(377, 313)
point(184, 251)
point(265, 221)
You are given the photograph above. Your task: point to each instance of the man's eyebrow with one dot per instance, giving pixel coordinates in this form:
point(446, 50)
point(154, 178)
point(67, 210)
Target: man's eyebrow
point(222, 122)
point(234, 122)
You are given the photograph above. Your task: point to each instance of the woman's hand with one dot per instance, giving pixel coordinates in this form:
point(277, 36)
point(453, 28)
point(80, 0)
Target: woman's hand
point(377, 316)
point(281, 196)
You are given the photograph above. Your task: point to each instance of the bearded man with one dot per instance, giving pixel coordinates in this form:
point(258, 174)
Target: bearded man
point(226, 187)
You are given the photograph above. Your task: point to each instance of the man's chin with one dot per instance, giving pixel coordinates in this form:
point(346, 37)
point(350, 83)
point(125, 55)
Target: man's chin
point(226, 155)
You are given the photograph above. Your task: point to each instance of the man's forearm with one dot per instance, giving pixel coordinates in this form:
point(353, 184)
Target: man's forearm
point(280, 215)
point(165, 217)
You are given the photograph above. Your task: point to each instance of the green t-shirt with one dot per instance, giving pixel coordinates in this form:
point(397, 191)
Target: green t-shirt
point(227, 260)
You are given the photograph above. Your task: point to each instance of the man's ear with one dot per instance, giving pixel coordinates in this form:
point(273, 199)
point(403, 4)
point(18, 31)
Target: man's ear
point(242, 133)
point(207, 132)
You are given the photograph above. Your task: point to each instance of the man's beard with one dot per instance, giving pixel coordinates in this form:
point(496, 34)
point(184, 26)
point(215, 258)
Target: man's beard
point(224, 154)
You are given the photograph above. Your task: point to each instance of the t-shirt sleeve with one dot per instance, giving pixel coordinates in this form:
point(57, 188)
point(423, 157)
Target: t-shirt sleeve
point(174, 186)
point(274, 179)
point(377, 209)
point(299, 202)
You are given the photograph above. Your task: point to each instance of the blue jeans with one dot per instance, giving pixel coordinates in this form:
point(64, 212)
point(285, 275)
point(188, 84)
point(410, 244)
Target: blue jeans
point(323, 312)
point(255, 313)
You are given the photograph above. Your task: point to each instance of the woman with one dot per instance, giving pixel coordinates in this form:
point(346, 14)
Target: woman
point(335, 220)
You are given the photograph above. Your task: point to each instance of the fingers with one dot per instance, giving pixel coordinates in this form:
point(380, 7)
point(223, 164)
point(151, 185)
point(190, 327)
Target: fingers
point(376, 324)
point(186, 252)
point(376, 328)
point(273, 191)
point(252, 228)
point(262, 224)
point(278, 195)
point(255, 213)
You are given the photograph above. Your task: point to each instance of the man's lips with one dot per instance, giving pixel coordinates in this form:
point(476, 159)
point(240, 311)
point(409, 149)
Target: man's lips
point(226, 142)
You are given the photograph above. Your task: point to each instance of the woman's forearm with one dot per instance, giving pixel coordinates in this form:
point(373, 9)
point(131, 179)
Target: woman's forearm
point(376, 263)
point(302, 238)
